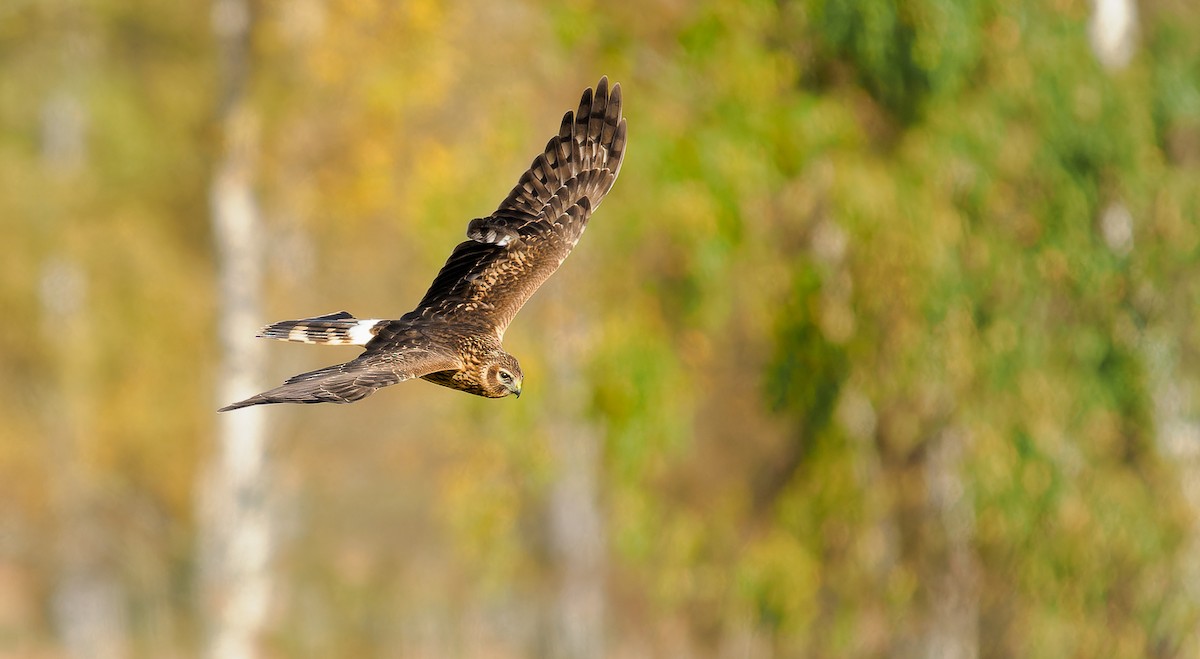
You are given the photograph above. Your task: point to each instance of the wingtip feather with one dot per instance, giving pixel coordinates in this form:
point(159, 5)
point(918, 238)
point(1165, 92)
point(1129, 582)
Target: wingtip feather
point(249, 402)
point(583, 115)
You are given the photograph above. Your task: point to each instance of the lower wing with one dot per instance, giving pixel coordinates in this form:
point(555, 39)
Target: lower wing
point(353, 380)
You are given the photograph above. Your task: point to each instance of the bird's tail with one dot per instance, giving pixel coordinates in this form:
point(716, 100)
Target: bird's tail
point(339, 328)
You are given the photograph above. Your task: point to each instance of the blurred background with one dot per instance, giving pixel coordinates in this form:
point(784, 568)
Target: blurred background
point(883, 345)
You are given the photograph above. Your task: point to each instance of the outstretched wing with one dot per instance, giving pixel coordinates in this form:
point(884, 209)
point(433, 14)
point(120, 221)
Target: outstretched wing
point(512, 251)
point(356, 379)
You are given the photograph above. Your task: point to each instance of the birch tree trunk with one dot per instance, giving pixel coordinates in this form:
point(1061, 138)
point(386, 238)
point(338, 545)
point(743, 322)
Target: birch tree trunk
point(1113, 31)
point(235, 494)
point(89, 600)
point(577, 616)
point(953, 628)
point(1177, 426)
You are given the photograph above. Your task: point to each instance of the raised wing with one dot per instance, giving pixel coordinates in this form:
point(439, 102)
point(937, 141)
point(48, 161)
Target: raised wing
point(511, 252)
point(356, 379)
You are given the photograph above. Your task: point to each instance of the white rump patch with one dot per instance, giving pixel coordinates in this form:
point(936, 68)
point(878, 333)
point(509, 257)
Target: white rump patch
point(360, 333)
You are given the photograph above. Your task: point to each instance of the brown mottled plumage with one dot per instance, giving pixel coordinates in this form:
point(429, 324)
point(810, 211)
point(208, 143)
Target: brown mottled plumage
point(453, 336)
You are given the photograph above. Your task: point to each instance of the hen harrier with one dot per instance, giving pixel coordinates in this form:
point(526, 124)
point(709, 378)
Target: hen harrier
point(453, 336)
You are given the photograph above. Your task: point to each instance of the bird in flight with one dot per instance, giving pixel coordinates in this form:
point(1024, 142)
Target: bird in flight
point(453, 336)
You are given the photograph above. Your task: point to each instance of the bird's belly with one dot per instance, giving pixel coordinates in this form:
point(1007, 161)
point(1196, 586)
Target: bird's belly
point(458, 380)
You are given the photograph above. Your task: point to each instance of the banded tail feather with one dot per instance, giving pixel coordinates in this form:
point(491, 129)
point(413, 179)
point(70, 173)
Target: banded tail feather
point(339, 328)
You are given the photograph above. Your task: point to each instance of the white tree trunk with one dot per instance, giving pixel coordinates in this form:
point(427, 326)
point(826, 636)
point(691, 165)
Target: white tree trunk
point(577, 620)
point(235, 492)
point(1177, 426)
point(89, 601)
point(1113, 30)
point(953, 629)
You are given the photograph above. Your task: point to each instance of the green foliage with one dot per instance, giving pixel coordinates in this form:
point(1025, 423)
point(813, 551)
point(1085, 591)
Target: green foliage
point(904, 53)
point(850, 240)
point(808, 372)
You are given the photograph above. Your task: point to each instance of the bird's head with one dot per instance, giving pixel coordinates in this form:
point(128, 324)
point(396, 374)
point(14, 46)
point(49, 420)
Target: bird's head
point(502, 376)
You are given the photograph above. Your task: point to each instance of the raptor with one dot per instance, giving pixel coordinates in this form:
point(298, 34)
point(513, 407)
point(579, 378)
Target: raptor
point(453, 336)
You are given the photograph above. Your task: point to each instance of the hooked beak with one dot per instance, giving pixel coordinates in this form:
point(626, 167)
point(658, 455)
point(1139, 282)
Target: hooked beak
point(516, 388)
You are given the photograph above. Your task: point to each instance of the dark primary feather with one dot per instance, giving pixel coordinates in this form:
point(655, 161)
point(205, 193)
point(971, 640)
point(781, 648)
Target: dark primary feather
point(355, 379)
point(511, 252)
